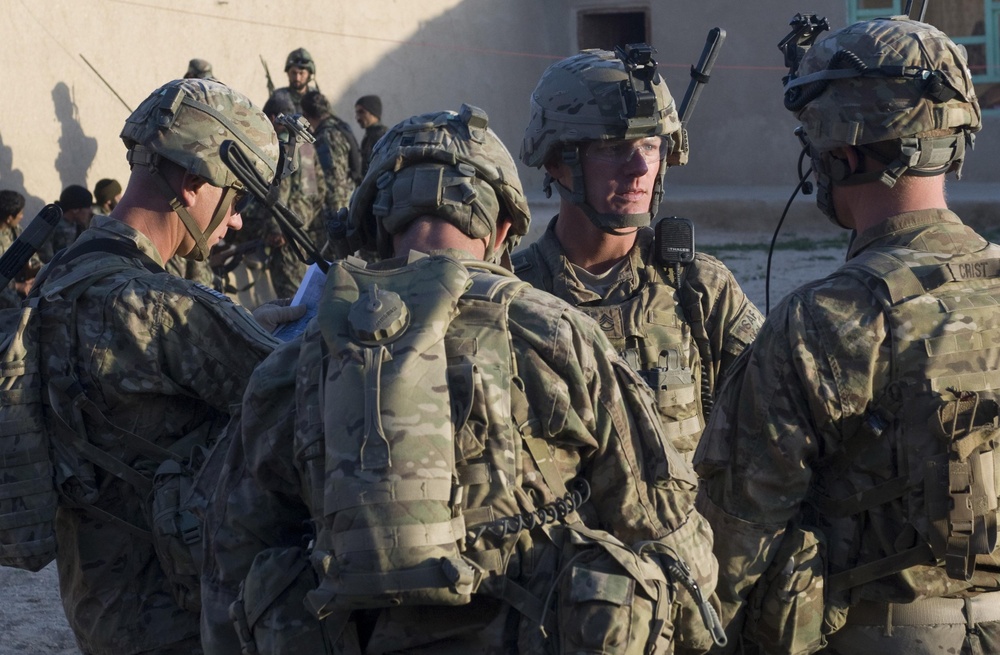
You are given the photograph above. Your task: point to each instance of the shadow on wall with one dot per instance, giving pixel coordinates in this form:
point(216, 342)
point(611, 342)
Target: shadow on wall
point(76, 150)
point(13, 179)
point(497, 73)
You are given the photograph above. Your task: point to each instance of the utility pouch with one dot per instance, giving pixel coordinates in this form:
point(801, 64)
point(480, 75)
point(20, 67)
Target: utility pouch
point(269, 614)
point(177, 533)
point(610, 600)
point(787, 609)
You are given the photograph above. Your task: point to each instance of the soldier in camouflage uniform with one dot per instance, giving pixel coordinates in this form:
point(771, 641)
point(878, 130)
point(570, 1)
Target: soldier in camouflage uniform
point(155, 355)
point(850, 457)
point(679, 326)
point(300, 68)
point(302, 192)
point(578, 415)
point(11, 214)
point(339, 157)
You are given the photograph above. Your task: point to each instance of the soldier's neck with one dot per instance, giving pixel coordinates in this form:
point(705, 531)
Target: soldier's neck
point(588, 246)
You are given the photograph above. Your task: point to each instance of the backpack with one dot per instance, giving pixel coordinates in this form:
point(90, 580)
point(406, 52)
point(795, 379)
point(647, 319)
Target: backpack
point(939, 498)
point(405, 498)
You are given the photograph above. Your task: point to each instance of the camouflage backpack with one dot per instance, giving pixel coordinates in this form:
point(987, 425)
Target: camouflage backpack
point(406, 507)
point(940, 409)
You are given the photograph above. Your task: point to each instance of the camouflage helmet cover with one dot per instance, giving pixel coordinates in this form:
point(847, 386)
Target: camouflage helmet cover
point(445, 164)
point(301, 58)
point(582, 98)
point(186, 121)
point(882, 80)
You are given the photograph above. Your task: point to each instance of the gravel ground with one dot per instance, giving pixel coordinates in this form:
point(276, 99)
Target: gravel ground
point(31, 616)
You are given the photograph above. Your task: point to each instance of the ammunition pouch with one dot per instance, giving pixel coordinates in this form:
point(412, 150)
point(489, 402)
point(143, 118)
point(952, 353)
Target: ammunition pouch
point(787, 611)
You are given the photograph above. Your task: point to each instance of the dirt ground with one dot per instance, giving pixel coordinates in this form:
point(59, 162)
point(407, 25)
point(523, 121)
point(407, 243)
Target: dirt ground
point(31, 616)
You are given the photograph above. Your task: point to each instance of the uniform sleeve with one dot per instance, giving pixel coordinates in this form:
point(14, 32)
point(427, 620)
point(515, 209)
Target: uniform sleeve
point(787, 402)
point(641, 488)
point(208, 345)
point(730, 320)
point(256, 503)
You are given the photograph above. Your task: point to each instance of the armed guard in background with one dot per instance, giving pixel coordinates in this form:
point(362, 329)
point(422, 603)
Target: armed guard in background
point(301, 69)
point(851, 457)
point(140, 369)
point(450, 461)
point(604, 127)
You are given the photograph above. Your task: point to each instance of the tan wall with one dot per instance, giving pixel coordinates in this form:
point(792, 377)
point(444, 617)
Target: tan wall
point(59, 123)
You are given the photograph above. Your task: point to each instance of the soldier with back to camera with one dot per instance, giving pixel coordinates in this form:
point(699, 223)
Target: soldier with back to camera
point(605, 128)
point(449, 461)
point(851, 457)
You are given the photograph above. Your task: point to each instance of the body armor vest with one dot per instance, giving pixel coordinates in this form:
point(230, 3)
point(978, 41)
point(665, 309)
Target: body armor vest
point(651, 332)
point(917, 485)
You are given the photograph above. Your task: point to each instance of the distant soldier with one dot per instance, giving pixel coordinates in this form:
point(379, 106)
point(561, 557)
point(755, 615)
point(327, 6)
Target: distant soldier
point(76, 203)
point(336, 148)
point(199, 69)
point(107, 193)
point(300, 68)
point(302, 192)
point(368, 114)
point(605, 129)
point(11, 215)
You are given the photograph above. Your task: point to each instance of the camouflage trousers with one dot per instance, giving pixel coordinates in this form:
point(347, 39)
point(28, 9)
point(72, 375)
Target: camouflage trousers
point(937, 625)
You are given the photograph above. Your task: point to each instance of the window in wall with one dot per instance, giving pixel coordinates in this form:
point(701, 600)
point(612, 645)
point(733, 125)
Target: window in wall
point(607, 29)
point(973, 23)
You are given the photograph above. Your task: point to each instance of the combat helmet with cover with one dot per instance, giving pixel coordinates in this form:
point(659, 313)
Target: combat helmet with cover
point(300, 58)
point(897, 89)
point(185, 122)
point(446, 164)
point(599, 95)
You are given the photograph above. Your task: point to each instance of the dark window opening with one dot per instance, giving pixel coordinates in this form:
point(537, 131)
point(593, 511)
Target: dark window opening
point(607, 29)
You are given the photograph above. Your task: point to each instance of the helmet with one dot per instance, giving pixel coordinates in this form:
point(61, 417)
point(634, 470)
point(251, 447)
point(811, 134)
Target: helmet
point(446, 164)
point(185, 122)
point(602, 95)
point(300, 57)
point(199, 68)
point(897, 89)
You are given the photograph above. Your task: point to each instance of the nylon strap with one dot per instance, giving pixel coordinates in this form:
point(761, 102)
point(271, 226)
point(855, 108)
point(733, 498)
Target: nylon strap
point(920, 554)
point(426, 534)
point(357, 494)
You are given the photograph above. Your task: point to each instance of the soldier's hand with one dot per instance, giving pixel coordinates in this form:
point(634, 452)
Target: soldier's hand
point(272, 314)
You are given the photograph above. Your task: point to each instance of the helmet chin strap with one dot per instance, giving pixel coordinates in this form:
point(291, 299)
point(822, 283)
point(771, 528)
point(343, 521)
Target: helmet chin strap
point(612, 223)
point(201, 248)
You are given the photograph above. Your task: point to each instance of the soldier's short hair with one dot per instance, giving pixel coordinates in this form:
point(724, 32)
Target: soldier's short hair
point(11, 204)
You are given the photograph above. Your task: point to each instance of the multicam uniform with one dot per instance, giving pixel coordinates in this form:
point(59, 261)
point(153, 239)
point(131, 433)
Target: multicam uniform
point(681, 338)
point(807, 386)
point(164, 359)
point(302, 192)
point(334, 153)
point(584, 402)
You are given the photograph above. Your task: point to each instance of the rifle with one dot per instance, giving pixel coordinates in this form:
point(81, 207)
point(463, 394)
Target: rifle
point(225, 259)
point(270, 83)
point(701, 73)
point(18, 256)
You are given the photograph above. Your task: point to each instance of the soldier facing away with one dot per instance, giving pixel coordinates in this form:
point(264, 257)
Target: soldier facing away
point(155, 362)
point(679, 326)
point(336, 149)
point(460, 503)
point(850, 460)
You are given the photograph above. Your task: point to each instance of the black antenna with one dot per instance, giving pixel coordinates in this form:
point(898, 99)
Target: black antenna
point(909, 7)
point(923, 10)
